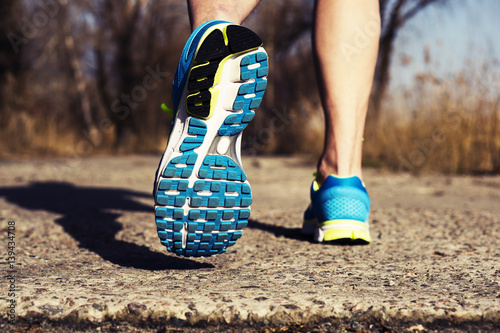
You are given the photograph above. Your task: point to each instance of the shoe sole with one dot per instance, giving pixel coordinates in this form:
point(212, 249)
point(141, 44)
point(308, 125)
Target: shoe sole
point(202, 195)
point(348, 232)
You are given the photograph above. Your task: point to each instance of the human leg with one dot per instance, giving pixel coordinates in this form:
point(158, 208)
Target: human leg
point(235, 11)
point(345, 79)
point(340, 205)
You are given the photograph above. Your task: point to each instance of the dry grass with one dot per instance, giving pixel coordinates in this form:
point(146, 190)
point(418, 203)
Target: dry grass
point(450, 127)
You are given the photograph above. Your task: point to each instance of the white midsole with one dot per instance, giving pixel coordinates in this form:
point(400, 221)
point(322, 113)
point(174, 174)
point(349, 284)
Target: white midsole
point(345, 227)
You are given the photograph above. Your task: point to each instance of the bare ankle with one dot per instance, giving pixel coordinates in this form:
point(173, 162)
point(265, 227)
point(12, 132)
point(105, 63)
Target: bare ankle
point(326, 168)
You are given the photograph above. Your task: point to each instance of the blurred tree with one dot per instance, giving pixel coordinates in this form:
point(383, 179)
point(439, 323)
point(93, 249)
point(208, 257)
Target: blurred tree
point(119, 20)
point(75, 60)
point(395, 14)
point(10, 54)
point(133, 39)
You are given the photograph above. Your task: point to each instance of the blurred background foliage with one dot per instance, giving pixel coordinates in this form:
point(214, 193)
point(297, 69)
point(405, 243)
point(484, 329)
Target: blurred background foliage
point(87, 77)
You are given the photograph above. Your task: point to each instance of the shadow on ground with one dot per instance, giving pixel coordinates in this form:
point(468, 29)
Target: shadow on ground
point(295, 233)
point(278, 231)
point(89, 215)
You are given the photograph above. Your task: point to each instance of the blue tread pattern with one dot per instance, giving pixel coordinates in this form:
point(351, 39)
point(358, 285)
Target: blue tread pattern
point(188, 158)
point(236, 123)
point(211, 228)
point(221, 167)
point(207, 217)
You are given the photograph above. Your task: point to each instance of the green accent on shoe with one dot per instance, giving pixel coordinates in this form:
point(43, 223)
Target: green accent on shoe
point(168, 110)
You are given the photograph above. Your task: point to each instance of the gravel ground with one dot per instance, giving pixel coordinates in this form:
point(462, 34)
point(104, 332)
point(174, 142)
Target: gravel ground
point(87, 257)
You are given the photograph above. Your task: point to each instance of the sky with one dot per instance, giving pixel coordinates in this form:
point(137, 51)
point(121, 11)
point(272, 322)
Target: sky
point(460, 34)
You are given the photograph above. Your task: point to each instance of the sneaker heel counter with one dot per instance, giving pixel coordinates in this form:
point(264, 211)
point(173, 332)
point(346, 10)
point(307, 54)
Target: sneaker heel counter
point(354, 205)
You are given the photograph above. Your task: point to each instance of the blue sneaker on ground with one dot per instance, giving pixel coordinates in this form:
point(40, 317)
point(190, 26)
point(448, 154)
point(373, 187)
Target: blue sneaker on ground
point(202, 196)
point(339, 211)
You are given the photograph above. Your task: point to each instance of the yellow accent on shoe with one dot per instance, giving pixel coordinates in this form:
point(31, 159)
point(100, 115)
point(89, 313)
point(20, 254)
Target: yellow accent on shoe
point(224, 33)
point(345, 222)
point(198, 66)
point(213, 100)
point(333, 235)
point(347, 229)
point(218, 74)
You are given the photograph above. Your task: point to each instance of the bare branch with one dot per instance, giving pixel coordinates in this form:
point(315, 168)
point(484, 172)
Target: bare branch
point(419, 7)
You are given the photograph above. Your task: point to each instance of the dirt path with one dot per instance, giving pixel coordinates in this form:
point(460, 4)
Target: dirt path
point(87, 254)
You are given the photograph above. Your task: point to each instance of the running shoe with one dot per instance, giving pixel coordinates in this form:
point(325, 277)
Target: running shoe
point(339, 211)
point(202, 195)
